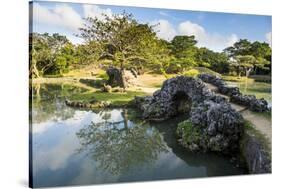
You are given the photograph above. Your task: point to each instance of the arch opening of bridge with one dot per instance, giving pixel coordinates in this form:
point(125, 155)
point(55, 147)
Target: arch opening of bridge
point(182, 102)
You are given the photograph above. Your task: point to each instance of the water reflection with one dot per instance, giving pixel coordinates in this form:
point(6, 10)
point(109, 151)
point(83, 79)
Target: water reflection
point(47, 102)
point(259, 89)
point(118, 145)
point(78, 147)
point(214, 164)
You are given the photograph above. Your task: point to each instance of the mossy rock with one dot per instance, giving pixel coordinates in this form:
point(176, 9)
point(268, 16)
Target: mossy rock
point(190, 136)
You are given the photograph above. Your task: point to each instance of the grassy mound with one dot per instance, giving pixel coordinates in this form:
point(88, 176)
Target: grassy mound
point(203, 70)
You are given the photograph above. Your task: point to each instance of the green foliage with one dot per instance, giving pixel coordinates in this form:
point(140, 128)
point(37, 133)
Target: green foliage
point(242, 47)
point(120, 145)
point(188, 133)
point(203, 70)
point(50, 54)
point(182, 54)
point(103, 76)
point(87, 53)
point(191, 73)
point(122, 39)
point(60, 64)
point(214, 60)
point(250, 57)
point(180, 45)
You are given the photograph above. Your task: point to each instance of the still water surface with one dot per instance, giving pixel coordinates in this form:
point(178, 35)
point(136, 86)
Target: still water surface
point(259, 89)
point(80, 147)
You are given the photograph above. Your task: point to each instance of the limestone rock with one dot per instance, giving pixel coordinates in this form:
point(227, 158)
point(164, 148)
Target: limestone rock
point(250, 101)
point(257, 158)
point(217, 126)
point(121, 78)
point(174, 93)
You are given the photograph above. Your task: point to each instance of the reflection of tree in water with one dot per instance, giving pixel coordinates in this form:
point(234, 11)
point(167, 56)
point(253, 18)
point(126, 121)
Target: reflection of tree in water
point(47, 102)
point(117, 146)
point(215, 164)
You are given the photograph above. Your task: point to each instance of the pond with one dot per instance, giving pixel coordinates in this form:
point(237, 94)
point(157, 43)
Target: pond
point(81, 147)
point(259, 89)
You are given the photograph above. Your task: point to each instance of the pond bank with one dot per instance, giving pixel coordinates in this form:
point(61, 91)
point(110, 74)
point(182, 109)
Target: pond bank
point(213, 116)
point(122, 99)
point(256, 141)
point(110, 145)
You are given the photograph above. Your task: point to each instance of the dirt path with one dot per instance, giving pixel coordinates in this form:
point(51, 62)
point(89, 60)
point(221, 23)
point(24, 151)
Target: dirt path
point(261, 123)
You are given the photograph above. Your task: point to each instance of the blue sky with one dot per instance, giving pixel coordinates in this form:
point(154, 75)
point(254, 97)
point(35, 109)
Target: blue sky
point(212, 30)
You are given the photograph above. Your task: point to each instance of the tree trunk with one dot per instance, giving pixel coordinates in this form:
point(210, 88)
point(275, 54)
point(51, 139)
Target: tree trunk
point(33, 71)
point(124, 114)
point(238, 71)
point(123, 79)
point(248, 71)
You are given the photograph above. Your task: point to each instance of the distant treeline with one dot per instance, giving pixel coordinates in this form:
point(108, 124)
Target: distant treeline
point(123, 42)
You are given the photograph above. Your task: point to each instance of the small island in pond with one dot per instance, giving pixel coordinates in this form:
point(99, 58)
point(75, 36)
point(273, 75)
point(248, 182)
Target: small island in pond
point(127, 103)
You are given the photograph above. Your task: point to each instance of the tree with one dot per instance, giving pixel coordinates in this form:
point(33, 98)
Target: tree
point(87, 53)
point(183, 53)
point(262, 52)
point(246, 62)
point(47, 53)
point(242, 47)
point(120, 38)
point(181, 43)
point(251, 56)
point(118, 146)
point(214, 60)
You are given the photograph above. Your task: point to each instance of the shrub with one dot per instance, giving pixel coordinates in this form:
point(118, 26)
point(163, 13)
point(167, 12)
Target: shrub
point(191, 73)
point(102, 75)
point(188, 133)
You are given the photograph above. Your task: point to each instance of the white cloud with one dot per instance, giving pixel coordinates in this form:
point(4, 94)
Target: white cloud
point(61, 15)
point(232, 39)
point(64, 16)
point(164, 29)
point(163, 13)
point(189, 28)
point(56, 157)
point(268, 37)
point(95, 11)
point(213, 41)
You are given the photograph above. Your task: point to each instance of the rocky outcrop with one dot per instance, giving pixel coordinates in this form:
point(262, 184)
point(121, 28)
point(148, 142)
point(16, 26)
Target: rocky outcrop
point(88, 105)
point(216, 124)
point(121, 78)
point(250, 101)
point(256, 156)
point(164, 103)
